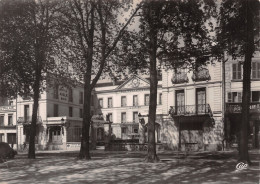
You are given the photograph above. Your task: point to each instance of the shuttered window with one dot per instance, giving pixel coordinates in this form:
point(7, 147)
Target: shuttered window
point(236, 69)
point(255, 70)
point(235, 97)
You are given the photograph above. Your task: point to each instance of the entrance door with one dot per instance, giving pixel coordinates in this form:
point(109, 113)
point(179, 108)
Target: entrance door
point(100, 134)
point(56, 136)
point(201, 100)
point(180, 103)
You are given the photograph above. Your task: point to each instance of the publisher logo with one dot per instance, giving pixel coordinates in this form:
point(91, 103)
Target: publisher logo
point(241, 165)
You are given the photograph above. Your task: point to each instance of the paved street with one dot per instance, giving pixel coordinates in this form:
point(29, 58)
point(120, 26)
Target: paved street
point(128, 167)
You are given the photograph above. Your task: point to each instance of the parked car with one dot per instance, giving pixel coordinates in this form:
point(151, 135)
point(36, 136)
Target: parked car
point(6, 151)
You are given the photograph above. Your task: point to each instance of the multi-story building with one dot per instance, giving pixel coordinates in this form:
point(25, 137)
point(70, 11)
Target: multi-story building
point(194, 102)
point(123, 102)
point(59, 118)
point(234, 87)
point(8, 121)
point(195, 110)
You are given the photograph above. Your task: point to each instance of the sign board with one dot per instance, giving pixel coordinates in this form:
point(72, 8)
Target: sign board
point(63, 93)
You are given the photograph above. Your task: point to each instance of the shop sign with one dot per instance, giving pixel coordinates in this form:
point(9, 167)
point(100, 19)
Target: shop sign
point(63, 93)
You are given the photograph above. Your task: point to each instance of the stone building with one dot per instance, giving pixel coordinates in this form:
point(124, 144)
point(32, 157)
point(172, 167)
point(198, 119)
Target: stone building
point(194, 102)
point(8, 121)
point(59, 118)
point(234, 87)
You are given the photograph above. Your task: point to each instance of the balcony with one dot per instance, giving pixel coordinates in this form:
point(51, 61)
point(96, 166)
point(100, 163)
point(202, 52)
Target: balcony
point(28, 120)
point(233, 108)
point(190, 110)
point(178, 78)
point(7, 126)
point(202, 74)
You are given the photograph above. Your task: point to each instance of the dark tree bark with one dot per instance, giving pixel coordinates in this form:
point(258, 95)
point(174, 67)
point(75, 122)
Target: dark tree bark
point(243, 138)
point(151, 155)
point(85, 146)
point(36, 90)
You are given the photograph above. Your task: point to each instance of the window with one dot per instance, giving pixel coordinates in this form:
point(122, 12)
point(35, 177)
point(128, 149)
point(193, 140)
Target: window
point(146, 99)
point(110, 103)
point(255, 96)
point(74, 134)
point(80, 113)
point(160, 98)
point(236, 68)
point(11, 103)
point(123, 117)
point(80, 97)
point(10, 119)
point(100, 103)
point(135, 117)
point(135, 100)
point(180, 101)
point(2, 138)
point(70, 111)
point(135, 130)
point(55, 110)
point(56, 92)
point(123, 101)
point(123, 130)
point(1, 120)
point(110, 117)
point(11, 138)
point(70, 95)
point(255, 70)
point(26, 112)
point(235, 97)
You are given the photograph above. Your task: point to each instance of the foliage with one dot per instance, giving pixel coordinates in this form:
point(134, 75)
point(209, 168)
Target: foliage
point(91, 31)
point(184, 35)
point(28, 41)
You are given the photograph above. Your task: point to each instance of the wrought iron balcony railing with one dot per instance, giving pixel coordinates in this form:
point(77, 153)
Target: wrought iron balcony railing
point(28, 120)
point(189, 110)
point(237, 107)
point(202, 74)
point(178, 78)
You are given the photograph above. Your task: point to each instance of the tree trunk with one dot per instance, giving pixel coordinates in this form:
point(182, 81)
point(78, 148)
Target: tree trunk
point(85, 146)
point(151, 154)
point(36, 90)
point(243, 132)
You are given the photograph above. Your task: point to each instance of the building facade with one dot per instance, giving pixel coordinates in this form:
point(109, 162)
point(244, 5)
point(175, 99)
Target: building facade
point(196, 110)
point(59, 119)
point(234, 87)
point(194, 103)
point(125, 103)
point(8, 121)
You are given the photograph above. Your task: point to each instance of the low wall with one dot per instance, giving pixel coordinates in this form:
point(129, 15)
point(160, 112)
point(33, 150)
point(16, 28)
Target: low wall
point(129, 147)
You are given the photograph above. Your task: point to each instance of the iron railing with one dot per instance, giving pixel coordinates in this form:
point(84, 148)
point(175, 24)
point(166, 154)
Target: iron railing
point(28, 120)
point(201, 109)
point(178, 78)
point(202, 74)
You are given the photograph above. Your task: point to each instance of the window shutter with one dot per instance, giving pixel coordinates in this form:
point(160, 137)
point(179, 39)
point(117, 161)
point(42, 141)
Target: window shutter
point(229, 97)
point(234, 68)
point(239, 94)
point(258, 70)
point(239, 75)
point(253, 70)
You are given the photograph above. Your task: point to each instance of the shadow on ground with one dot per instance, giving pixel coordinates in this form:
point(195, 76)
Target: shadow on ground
point(128, 167)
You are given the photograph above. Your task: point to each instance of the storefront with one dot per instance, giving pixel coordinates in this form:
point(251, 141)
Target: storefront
point(233, 121)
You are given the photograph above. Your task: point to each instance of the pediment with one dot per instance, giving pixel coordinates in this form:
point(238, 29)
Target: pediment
point(134, 82)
